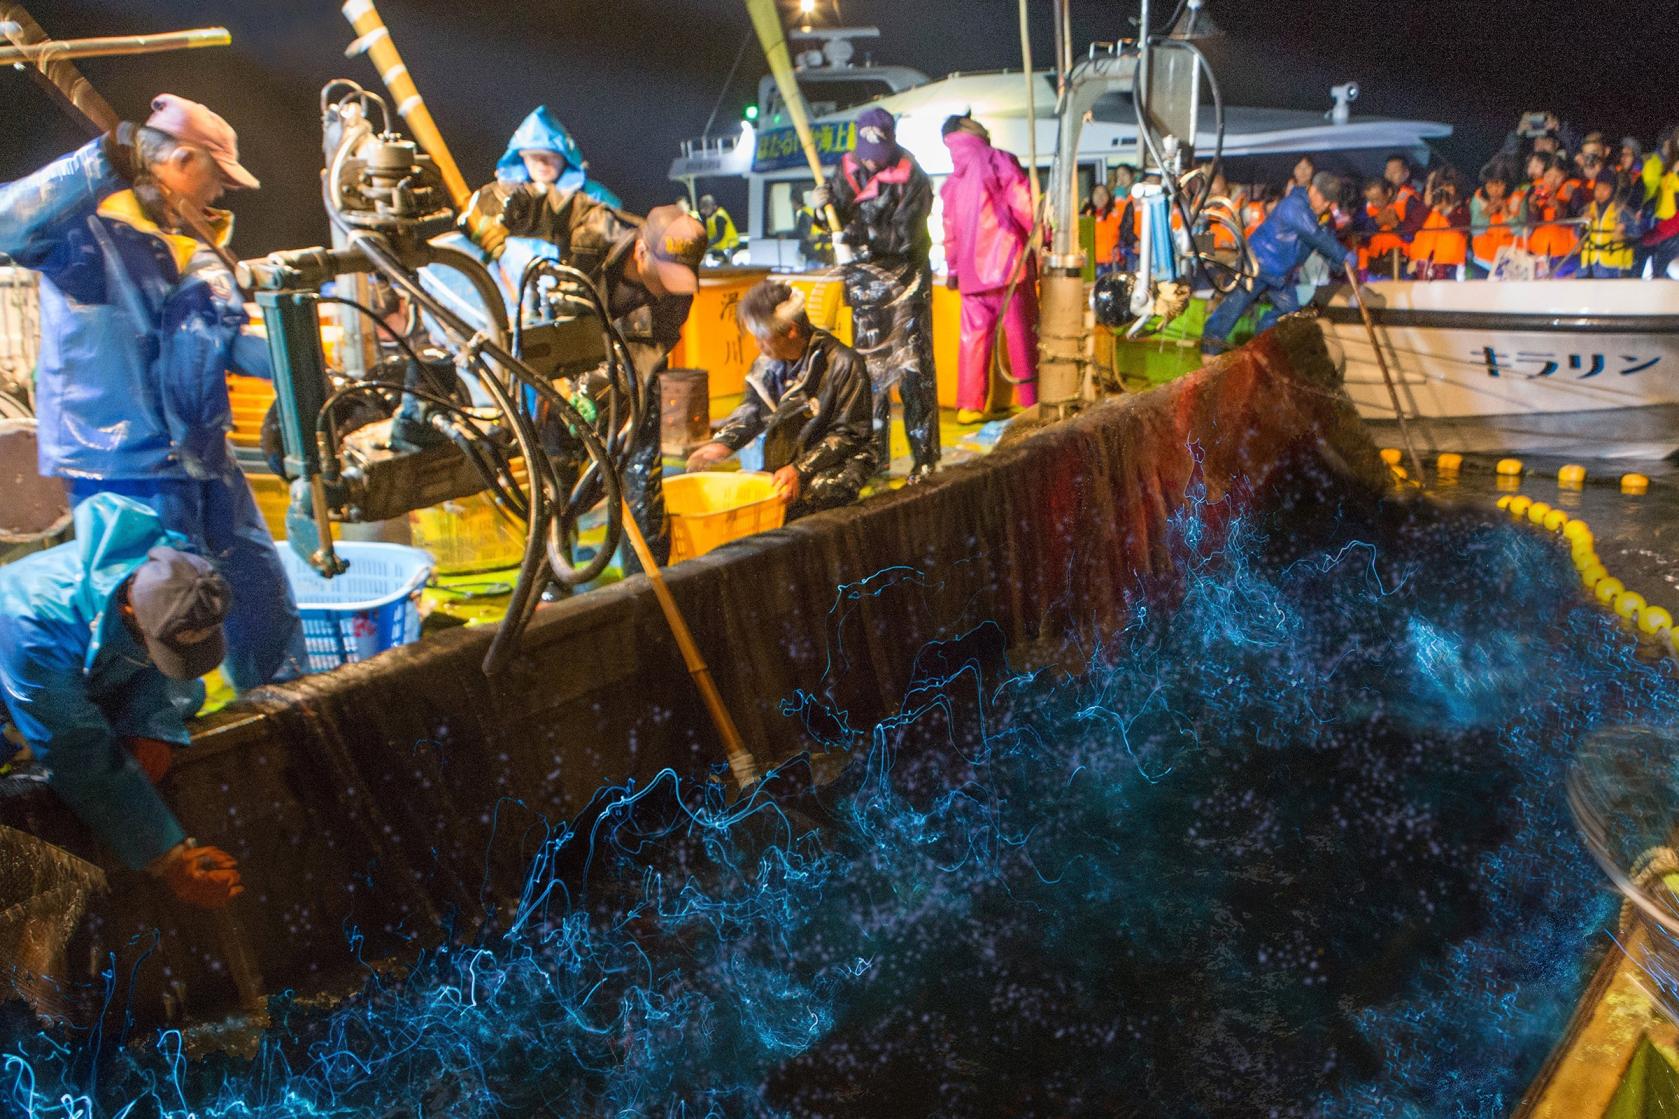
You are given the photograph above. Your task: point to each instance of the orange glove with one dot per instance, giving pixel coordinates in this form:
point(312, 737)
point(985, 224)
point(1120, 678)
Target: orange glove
point(152, 754)
point(206, 877)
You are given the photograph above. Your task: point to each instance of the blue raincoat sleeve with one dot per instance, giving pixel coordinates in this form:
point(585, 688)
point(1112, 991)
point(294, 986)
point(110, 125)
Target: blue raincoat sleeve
point(35, 210)
point(49, 703)
point(1314, 234)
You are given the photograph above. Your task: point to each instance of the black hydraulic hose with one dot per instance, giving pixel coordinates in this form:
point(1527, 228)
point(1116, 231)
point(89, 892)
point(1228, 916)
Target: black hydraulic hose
point(378, 252)
point(324, 426)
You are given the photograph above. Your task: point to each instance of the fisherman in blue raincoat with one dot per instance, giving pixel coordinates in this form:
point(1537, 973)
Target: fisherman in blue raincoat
point(1288, 237)
point(101, 643)
point(139, 325)
point(542, 151)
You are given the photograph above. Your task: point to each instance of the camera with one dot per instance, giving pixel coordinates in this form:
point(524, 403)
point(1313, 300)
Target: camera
point(1533, 124)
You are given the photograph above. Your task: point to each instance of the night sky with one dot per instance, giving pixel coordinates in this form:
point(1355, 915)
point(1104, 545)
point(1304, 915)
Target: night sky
point(632, 78)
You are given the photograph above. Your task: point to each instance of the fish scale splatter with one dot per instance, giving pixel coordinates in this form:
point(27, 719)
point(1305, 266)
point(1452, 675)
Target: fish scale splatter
point(1295, 843)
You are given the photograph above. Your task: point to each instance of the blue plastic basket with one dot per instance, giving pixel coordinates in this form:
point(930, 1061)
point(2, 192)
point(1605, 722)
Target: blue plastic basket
point(372, 607)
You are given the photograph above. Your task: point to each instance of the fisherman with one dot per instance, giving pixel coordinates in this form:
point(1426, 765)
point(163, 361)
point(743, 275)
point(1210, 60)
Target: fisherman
point(140, 324)
point(721, 237)
point(883, 199)
point(102, 643)
point(987, 250)
point(541, 150)
point(808, 395)
point(1280, 246)
point(815, 242)
point(647, 271)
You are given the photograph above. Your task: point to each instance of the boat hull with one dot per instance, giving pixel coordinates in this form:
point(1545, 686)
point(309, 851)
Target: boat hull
point(1571, 367)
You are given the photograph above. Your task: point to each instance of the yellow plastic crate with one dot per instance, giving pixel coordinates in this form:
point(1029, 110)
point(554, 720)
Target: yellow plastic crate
point(709, 510)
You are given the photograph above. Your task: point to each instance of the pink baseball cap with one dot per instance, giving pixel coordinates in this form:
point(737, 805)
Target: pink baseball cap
point(192, 123)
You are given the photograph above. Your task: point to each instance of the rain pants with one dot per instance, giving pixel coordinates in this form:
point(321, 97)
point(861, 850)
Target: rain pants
point(138, 329)
point(987, 227)
point(76, 682)
point(889, 286)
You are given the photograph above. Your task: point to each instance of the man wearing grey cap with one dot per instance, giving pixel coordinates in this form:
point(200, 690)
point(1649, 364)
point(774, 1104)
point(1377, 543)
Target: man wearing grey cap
point(646, 269)
point(140, 323)
point(102, 643)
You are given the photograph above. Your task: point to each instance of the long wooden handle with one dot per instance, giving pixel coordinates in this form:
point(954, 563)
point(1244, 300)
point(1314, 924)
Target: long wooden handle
point(741, 763)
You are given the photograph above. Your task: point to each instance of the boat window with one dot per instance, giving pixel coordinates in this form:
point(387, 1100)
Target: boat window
point(781, 206)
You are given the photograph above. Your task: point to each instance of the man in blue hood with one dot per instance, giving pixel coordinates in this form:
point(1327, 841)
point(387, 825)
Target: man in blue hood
point(140, 323)
point(542, 151)
point(102, 641)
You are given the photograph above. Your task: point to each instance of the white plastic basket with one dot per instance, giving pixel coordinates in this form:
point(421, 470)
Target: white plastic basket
point(373, 606)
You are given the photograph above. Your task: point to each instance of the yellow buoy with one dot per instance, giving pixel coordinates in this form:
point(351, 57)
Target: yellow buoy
point(1607, 589)
point(1628, 605)
point(1634, 483)
point(1594, 575)
point(1537, 511)
point(1504, 502)
point(1519, 505)
point(1391, 455)
point(1577, 530)
point(1555, 520)
point(1509, 466)
point(1448, 463)
point(1572, 476)
point(1584, 558)
point(1654, 619)
point(1399, 473)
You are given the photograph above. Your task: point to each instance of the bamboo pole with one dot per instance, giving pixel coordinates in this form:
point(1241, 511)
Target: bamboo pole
point(374, 38)
point(741, 762)
point(50, 50)
point(767, 21)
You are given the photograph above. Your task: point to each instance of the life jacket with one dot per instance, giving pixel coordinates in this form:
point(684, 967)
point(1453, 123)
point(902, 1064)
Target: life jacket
point(1553, 240)
point(1107, 234)
point(1438, 243)
point(1603, 245)
point(1498, 232)
point(1385, 241)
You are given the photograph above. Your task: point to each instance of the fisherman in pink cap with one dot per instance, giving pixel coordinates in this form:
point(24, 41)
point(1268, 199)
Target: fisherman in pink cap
point(140, 322)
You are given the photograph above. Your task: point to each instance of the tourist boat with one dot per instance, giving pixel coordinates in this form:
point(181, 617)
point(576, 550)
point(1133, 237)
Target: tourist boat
point(1570, 367)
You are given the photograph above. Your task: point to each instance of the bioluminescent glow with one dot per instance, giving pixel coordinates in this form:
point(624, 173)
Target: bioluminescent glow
point(1294, 843)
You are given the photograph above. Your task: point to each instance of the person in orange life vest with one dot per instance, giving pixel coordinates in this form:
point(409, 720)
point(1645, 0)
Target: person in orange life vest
point(1376, 227)
point(1556, 198)
point(1613, 227)
point(1407, 199)
point(987, 248)
point(1441, 246)
point(1106, 215)
point(1496, 215)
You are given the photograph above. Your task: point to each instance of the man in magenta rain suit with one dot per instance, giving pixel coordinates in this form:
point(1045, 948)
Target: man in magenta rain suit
point(987, 225)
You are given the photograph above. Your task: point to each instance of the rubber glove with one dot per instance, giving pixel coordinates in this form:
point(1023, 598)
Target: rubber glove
point(205, 877)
